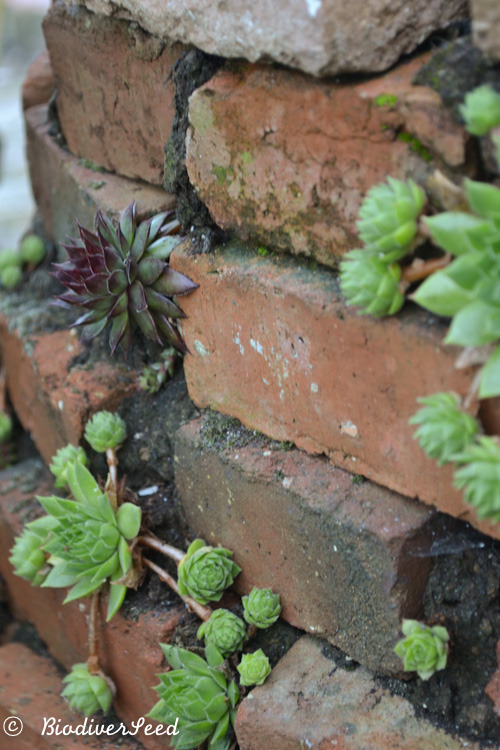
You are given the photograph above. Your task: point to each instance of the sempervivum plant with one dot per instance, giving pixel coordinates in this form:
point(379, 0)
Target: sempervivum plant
point(254, 668)
point(62, 459)
point(388, 217)
point(105, 430)
point(444, 428)
point(119, 275)
point(88, 692)
point(261, 607)
point(90, 542)
point(423, 649)
point(199, 697)
point(27, 556)
point(479, 476)
point(370, 283)
point(481, 110)
point(205, 572)
point(225, 630)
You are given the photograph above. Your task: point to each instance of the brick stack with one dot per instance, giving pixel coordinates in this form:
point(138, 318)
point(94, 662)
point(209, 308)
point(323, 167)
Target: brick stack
point(281, 157)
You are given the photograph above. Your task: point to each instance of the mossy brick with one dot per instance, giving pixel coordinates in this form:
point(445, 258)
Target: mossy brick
point(52, 399)
point(129, 649)
point(342, 556)
point(273, 343)
point(309, 701)
point(66, 190)
point(115, 93)
point(38, 86)
point(286, 160)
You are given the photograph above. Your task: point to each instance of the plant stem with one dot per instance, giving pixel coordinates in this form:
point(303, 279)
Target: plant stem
point(199, 609)
point(166, 549)
point(421, 269)
point(93, 659)
point(112, 481)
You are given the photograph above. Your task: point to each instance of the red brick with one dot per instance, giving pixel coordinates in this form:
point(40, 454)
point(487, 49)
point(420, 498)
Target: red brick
point(310, 702)
point(52, 402)
point(129, 648)
point(493, 687)
point(115, 92)
point(65, 190)
point(38, 85)
point(286, 160)
point(31, 687)
point(340, 555)
point(274, 344)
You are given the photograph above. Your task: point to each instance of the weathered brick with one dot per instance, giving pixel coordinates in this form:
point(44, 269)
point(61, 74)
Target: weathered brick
point(128, 646)
point(115, 94)
point(340, 555)
point(38, 85)
point(52, 402)
point(31, 686)
point(286, 160)
point(274, 344)
point(319, 37)
point(310, 701)
point(486, 26)
point(65, 190)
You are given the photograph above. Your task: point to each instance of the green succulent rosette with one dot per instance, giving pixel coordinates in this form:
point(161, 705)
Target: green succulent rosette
point(65, 456)
point(388, 217)
point(481, 110)
point(27, 556)
point(9, 258)
point(32, 249)
point(370, 283)
point(90, 542)
point(261, 607)
point(87, 692)
point(424, 649)
point(479, 477)
point(254, 668)
point(10, 276)
point(444, 429)
point(105, 430)
point(205, 572)
point(225, 630)
point(199, 697)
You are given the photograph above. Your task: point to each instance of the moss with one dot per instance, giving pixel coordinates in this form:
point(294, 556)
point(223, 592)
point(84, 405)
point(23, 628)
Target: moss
point(221, 432)
point(247, 158)
point(415, 145)
point(223, 174)
point(357, 479)
point(385, 100)
point(89, 164)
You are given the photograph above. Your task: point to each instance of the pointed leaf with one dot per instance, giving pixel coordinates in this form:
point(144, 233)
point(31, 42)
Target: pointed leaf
point(140, 240)
point(116, 596)
point(489, 385)
point(137, 297)
point(149, 269)
point(173, 283)
point(127, 222)
point(57, 578)
point(475, 325)
point(82, 484)
point(146, 323)
point(83, 588)
point(483, 199)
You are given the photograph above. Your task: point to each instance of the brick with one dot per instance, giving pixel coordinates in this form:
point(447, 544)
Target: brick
point(294, 178)
point(493, 687)
point(65, 190)
point(274, 344)
point(31, 686)
point(128, 647)
point(310, 701)
point(53, 403)
point(318, 37)
point(485, 26)
point(340, 555)
point(38, 85)
point(115, 94)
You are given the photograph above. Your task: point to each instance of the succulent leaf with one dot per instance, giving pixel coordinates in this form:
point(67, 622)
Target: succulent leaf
point(27, 556)
point(87, 692)
point(261, 607)
point(225, 630)
point(63, 457)
point(370, 283)
point(489, 385)
point(444, 428)
point(479, 477)
point(254, 668)
point(205, 572)
point(481, 110)
point(424, 649)
point(194, 693)
point(109, 273)
point(105, 430)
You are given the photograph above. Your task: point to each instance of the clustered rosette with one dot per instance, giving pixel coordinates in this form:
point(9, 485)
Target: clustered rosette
point(254, 668)
point(60, 462)
point(261, 607)
point(120, 275)
point(225, 630)
point(27, 555)
point(424, 649)
point(444, 428)
point(205, 572)
point(199, 696)
point(105, 430)
point(88, 692)
point(479, 476)
point(370, 283)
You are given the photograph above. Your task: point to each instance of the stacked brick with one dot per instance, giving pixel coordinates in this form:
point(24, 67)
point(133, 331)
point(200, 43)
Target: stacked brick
point(282, 158)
